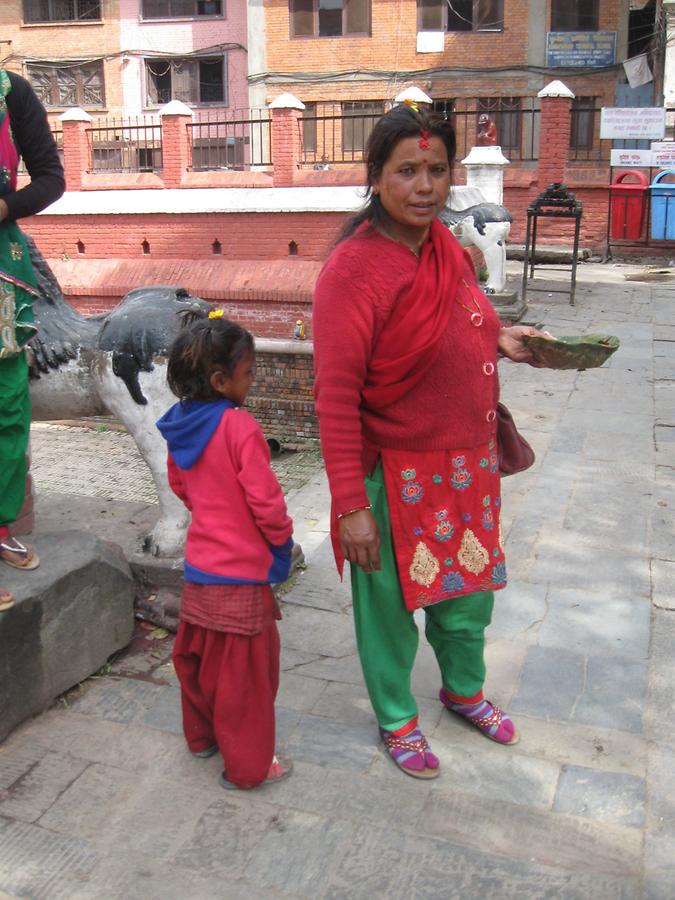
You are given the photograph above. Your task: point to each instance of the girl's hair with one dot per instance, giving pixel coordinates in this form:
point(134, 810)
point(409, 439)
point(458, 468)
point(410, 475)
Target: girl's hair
point(204, 346)
point(399, 123)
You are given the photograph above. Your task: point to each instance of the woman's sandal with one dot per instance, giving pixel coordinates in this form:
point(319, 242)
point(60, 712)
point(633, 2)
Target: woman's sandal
point(280, 768)
point(15, 548)
point(488, 718)
point(6, 600)
point(411, 753)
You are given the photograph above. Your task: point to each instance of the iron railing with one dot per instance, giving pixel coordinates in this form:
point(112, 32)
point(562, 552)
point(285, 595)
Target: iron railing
point(132, 144)
point(238, 139)
point(335, 139)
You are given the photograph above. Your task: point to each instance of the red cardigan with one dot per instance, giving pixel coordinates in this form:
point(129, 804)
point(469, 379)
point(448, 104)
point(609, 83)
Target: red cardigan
point(449, 408)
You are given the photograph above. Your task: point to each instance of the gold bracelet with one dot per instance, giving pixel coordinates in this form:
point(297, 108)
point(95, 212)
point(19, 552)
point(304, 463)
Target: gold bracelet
point(356, 509)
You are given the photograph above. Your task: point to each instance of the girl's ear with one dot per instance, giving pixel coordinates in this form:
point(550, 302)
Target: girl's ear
point(219, 382)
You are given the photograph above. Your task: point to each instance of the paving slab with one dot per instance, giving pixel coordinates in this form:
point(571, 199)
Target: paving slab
point(99, 797)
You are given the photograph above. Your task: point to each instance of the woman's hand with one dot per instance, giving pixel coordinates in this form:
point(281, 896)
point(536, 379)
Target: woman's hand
point(360, 539)
point(4, 212)
point(511, 345)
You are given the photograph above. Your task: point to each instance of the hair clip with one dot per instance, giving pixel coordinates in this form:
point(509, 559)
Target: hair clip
point(216, 314)
point(424, 140)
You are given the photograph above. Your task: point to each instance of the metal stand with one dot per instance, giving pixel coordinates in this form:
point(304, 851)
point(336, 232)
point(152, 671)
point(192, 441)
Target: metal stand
point(555, 203)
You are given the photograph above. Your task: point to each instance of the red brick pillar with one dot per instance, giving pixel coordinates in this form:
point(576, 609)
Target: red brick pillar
point(554, 132)
point(286, 139)
point(176, 142)
point(76, 147)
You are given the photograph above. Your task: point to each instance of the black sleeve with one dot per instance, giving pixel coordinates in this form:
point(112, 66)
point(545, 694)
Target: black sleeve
point(36, 145)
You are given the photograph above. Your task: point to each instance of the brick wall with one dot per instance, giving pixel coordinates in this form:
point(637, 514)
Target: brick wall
point(281, 397)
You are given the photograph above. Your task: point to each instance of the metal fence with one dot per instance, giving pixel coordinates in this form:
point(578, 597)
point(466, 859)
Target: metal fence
point(238, 139)
point(132, 144)
point(335, 138)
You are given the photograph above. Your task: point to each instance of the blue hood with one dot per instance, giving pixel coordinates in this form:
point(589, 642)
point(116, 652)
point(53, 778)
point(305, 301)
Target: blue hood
point(188, 426)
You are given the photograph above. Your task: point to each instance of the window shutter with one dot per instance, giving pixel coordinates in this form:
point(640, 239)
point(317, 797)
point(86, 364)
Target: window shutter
point(357, 16)
point(302, 18)
point(430, 15)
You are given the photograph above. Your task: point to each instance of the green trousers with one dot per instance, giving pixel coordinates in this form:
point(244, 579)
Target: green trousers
point(387, 636)
point(14, 435)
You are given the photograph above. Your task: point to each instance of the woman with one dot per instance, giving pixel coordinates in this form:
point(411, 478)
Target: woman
point(406, 349)
point(24, 131)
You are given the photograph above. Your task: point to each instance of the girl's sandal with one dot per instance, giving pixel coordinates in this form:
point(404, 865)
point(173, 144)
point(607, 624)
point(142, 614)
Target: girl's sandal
point(411, 754)
point(6, 600)
point(280, 768)
point(10, 547)
point(488, 718)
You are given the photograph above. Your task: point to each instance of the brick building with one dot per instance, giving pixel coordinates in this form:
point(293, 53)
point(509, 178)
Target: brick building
point(469, 55)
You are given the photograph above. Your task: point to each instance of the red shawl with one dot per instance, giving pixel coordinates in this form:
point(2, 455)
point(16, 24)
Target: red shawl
point(410, 342)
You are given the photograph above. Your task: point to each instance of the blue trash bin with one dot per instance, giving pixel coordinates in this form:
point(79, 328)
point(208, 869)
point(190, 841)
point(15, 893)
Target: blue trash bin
point(663, 207)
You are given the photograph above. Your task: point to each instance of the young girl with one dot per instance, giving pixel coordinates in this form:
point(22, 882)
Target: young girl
point(239, 542)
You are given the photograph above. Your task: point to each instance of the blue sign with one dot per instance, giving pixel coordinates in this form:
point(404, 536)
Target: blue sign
point(588, 49)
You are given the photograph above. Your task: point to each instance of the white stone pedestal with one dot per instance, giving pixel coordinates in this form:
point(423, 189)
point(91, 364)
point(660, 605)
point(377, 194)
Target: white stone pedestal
point(485, 170)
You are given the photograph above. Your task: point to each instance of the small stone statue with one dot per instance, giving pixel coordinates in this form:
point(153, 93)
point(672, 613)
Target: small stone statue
point(486, 135)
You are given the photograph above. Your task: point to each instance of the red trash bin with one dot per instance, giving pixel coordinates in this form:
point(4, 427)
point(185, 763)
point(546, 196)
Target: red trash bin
point(628, 203)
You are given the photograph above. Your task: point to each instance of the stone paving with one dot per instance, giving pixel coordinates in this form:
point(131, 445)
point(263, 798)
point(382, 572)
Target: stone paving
point(100, 799)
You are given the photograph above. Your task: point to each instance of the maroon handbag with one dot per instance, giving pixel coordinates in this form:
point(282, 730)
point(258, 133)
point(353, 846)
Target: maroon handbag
point(515, 454)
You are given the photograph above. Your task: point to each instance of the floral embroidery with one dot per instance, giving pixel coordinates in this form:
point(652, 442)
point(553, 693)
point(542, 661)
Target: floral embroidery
point(499, 573)
point(494, 463)
point(418, 532)
point(498, 501)
point(487, 520)
point(495, 552)
point(472, 554)
point(408, 474)
point(461, 479)
point(491, 445)
point(483, 463)
point(452, 582)
point(15, 251)
point(412, 492)
point(441, 514)
point(437, 479)
point(486, 500)
point(448, 561)
point(444, 531)
point(424, 568)
point(458, 461)
point(466, 517)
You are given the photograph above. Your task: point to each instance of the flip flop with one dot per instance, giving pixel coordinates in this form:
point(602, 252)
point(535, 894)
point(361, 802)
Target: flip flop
point(16, 547)
point(6, 600)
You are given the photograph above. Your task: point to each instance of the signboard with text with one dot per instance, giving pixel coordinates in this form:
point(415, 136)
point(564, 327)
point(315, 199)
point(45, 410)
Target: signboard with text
point(663, 153)
point(588, 49)
point(622, 123)
point(631, 159)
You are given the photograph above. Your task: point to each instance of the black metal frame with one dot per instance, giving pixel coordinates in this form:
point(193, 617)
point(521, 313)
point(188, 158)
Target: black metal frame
point(556, 202)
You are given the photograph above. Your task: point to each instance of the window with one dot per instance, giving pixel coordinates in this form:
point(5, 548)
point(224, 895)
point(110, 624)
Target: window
point(181, 9)
point(506, 114)
point(583, 123)
point(194, 81)
point(358, 120)
point(460, 15)
point(79, 84)
point(444, 108)
point(61, 10)
point(574, 15)
point(329, 18)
